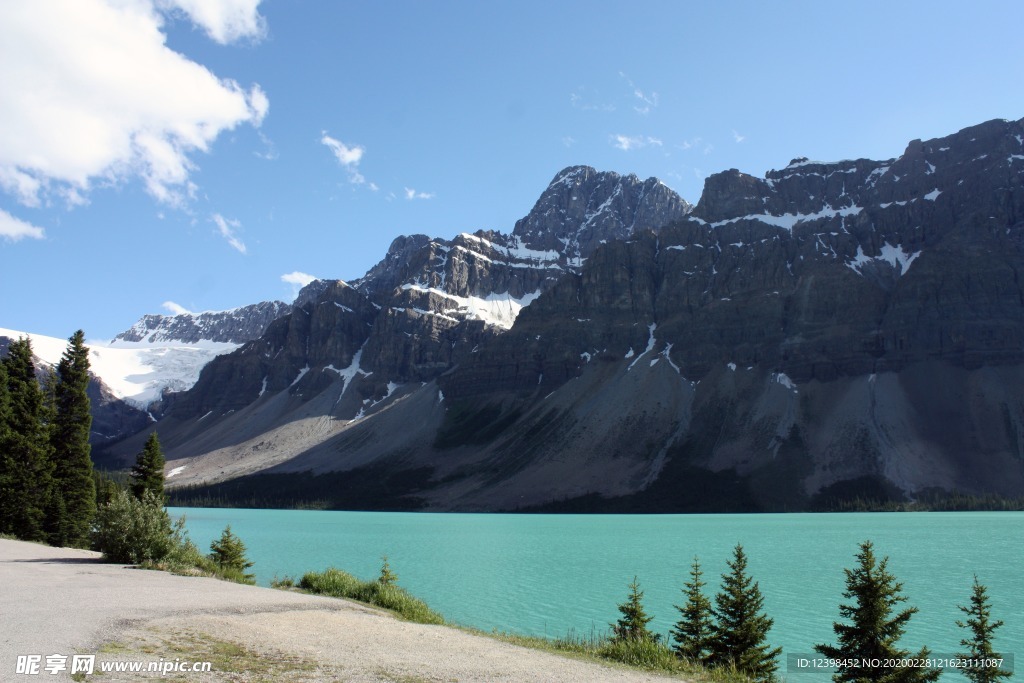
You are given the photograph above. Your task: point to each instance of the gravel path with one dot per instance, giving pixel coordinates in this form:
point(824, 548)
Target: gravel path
point(63, 601)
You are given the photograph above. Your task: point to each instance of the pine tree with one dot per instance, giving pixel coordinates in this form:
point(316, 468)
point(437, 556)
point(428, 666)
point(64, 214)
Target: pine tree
point(874, 630)
point(739, 636)
point(228, 552)
point(6, 463)
point(979, 647)
point(692, 633)
point(387, 577)
point(148, 472)
point(25, 475)
point(632, 625)
point(74, 499)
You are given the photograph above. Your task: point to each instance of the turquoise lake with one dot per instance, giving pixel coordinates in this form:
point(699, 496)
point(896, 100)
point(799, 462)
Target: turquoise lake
point(549, 574)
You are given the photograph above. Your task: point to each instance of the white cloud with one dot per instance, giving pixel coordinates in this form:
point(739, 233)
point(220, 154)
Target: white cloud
point(348, 156)
point(737, 137)
point(176, 309)
point(568, 141)
point(413, 194)
point(90, 91)
point(225, 21)
point(226, 227)
point(13, 229)
point(628, 142)
point(298, 278)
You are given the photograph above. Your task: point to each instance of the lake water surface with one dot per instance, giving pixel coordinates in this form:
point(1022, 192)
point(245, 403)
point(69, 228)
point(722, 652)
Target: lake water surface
point(549, 574)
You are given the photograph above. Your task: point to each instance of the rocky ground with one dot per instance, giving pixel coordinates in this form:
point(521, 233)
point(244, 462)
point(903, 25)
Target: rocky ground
point(63, 601)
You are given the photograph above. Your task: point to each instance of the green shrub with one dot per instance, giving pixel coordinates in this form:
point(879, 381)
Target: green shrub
point(331, 581)
point(339, 584)
point(283, 583)
point(131, 530)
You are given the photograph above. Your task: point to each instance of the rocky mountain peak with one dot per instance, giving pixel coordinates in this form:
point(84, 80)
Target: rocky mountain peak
point(582, 207)
point(235, 326)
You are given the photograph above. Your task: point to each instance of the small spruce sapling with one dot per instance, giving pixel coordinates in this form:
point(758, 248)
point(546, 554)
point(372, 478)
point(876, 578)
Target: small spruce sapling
point(693, 632)
point(740, 634)
point(387, 577)
point(228, 552)
point(981, 627)
point(632, 625)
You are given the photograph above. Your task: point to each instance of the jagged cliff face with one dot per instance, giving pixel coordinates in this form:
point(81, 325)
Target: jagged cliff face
point(849, 328)
point(236, 326)
point(582, 209)
point(430, 304)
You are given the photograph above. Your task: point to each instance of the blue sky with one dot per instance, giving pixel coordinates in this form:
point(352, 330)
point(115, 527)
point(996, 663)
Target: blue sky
point(160, 155)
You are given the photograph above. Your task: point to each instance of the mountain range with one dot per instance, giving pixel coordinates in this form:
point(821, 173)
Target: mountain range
point(831, 331)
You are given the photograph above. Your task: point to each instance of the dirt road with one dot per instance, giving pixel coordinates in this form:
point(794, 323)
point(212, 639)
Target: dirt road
point(64, 602)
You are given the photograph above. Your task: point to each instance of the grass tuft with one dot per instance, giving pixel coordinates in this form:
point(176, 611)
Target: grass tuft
point(339, 584)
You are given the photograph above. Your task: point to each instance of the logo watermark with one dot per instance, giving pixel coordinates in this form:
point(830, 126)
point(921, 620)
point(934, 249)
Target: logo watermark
point(35, 665)
point(807, 663)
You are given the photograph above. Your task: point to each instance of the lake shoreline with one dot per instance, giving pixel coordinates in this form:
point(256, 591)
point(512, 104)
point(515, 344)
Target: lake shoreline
point(65, 601)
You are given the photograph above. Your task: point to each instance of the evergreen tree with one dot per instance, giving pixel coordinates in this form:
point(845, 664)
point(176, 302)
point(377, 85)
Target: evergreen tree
point(979, 647)
point(632, 625)
point(739, 636)
point(6, 463)
point(26, 467)
point(148, 472)
point(387, 577)
point(228, 552)
point(874, 630)
point(106, 487)
point(74, 493)
point(692, 633)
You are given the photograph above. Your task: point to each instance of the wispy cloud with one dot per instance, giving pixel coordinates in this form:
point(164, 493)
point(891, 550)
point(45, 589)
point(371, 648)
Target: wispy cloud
point(176, 309)
point(698, 143)
point(585, 100)
point(14, 229)
point(297, 280)
point(168, 107)
point(348, 156)
point(568, 141)
point(297, 277)
point(647, 100)
point(414, 194)
point(270, 151)
point(737, 137)
point(631, 142)
point(227, 227)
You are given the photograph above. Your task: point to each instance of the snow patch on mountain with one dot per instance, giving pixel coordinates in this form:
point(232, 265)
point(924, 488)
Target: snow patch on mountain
point(136, 372)
point(497, 308)
point(349, 373)
point(788, 221)
point(894, 256)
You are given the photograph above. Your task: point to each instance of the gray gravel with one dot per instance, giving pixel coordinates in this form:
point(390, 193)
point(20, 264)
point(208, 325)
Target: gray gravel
point(58, 600)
